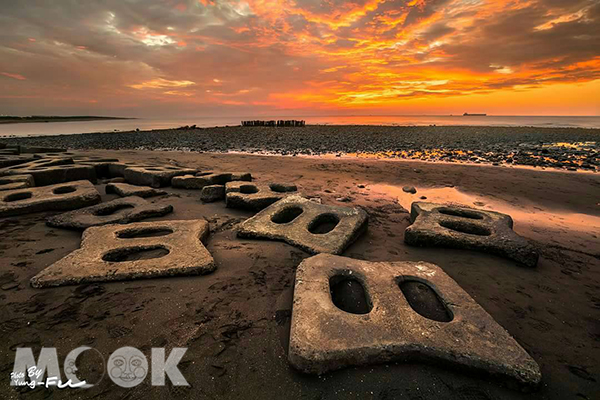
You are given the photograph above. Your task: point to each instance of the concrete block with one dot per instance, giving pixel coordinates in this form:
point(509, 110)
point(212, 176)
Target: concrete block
point(350, 312)
point(156, 176)
point(256, 196)
point(119, 211)
point(313, 227)
point(136, 251)
point(470, 229)
point(65, 196)
point(125, 189)
point(10, 182)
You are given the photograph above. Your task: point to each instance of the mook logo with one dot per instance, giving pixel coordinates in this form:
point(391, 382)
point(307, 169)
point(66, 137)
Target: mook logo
point(126, 367)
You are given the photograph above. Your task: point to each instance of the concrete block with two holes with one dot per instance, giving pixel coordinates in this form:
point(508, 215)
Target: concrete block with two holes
point(119, 211)
point(349, 312)
point(313, 227)
point(60, 197)
point(134, 251)
point(466, 228)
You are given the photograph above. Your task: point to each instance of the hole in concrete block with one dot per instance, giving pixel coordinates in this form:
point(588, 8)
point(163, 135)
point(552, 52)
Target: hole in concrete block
point(286, 215)
point(248, 189)
point(153, 169)
point(466, 227)
point(17, 196)
point(459, 212)
point(424, 300)
point(348, 294)
point(281, 188)
point(204, 173)
point(135, 253)
point(5, 182)
point(144, 232)
point(109, 210)
point(324, 223)
point(64, 190)
point(171, 168)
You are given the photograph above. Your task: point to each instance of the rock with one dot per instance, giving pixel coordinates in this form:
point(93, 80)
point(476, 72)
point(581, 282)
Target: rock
point(315, 228)
point(136, 251)
point(409, 189)
point(66, 196)
point(119, 211)
point(470, 229)
point(212, 193)
point(255, 196)
point(397, 325)
point(11, 182)
point(125, 190)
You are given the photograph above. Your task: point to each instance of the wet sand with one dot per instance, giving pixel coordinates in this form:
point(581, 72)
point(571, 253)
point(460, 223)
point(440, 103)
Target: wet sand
point(235, 321)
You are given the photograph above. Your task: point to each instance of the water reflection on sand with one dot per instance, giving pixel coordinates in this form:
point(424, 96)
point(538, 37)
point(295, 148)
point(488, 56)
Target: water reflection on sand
point(530, 220)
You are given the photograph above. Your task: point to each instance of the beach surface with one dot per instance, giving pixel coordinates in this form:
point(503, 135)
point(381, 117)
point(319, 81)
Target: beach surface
point(563, 148)
point(235, 321)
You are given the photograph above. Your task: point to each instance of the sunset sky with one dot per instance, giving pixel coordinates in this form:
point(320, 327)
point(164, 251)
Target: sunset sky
point(304, 57)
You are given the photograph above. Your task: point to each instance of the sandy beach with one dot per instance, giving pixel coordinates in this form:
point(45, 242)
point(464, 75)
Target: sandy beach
point(235, 321)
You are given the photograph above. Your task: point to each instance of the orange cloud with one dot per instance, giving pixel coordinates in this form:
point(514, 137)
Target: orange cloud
point(394, 56)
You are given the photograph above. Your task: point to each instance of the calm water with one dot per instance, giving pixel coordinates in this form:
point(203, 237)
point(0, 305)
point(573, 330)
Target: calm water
point(58, 128)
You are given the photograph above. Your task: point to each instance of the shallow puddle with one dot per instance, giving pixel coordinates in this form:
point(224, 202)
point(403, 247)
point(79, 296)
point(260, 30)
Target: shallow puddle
point(529, 219)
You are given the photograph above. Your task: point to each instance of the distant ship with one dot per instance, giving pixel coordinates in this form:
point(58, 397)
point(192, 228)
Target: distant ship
point(474, 115)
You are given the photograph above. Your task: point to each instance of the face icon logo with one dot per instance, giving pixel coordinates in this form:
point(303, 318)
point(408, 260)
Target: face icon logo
point(70, 367)
point(127, 367)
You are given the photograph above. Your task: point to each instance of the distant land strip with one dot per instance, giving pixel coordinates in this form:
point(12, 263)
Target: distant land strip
point(7, 119)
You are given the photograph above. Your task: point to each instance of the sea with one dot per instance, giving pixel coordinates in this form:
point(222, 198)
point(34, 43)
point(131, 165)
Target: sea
point(74, 127)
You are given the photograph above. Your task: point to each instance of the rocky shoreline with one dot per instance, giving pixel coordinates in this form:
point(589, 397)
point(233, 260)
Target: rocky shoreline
point(564, 148)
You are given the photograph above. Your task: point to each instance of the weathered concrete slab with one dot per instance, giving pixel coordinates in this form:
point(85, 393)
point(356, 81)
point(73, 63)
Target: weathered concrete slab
point(125, 190)
point(208, 178)
point(467, 228)
point(10, 160)
point(65, 196)
point(119, 211)
point(117, 169)
point(100, 164)
point(156, 176)
point(11, 182)
point(256, 196)
point(9, 151)
point(53, 174)
point(212, 193)
point(316, 228)
point(122, 252)
point(35, 163)
point(350, 312)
